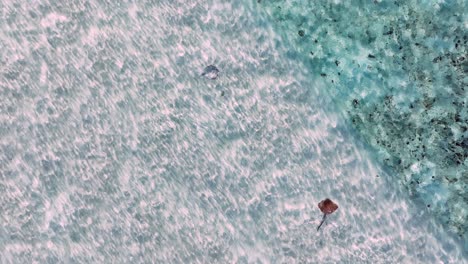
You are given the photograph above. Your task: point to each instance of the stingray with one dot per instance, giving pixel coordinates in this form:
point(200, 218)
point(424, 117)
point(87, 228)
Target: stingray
point(327, 207)
point(210, 72)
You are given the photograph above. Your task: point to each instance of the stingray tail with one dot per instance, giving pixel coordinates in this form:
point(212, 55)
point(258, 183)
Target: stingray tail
point(323, 220)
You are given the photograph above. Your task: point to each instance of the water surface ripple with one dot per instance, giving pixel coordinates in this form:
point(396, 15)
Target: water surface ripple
point(114, 149)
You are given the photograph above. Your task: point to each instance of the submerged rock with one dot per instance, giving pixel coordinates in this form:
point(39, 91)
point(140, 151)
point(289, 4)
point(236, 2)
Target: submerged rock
point(210, 72)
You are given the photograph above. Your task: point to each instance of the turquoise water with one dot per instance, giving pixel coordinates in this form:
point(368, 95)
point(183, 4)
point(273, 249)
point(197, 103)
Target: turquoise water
point(399, 70)
point(115, 150)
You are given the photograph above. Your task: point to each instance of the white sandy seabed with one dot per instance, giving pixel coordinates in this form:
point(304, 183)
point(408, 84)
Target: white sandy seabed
point(114, 150)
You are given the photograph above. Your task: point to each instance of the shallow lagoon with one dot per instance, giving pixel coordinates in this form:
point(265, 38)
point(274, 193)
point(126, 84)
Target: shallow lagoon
point(115, 149)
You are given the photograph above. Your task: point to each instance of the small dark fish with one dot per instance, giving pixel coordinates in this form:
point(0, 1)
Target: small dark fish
point(210, 72)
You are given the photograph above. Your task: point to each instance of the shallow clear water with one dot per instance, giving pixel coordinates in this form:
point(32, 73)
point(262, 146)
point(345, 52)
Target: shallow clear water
point(115, 150)
point(398, 68)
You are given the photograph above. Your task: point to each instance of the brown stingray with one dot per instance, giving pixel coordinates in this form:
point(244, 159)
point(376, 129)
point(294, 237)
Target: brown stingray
point(327, 207)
